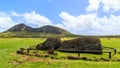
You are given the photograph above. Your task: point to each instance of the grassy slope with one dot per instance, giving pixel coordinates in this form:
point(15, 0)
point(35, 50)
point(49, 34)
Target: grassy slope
point(34, 35)
point(28, 35)
point(8, 57)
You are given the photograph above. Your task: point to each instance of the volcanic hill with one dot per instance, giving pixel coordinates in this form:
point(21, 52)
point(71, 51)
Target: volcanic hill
point(22, 30)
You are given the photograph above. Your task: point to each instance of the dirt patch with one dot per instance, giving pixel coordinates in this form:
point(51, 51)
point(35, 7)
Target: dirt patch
point(16, 62)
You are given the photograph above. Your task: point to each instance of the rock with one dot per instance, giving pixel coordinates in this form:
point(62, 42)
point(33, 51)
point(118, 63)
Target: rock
point(84, 58)
point(39, 46)
point(72, 57)
point(104, 59)
point(53, 43)
point(20, 52)
point(84, 43)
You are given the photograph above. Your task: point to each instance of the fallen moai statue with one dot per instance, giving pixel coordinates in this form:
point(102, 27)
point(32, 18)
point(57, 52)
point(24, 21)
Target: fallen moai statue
point(53, 43)
point(78, 45)
point(83, 44)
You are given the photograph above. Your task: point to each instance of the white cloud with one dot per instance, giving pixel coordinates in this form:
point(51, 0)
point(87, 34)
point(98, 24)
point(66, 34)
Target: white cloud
point(87, 24)
point(91, 24)
point(111, 4)
point(2, 14)
point(32, 18)
point(113, 22)
point(93, 5)
point(78, 22)
point(68, 20)
point(5, 23)
point(7, 20)
point(107, 5)
point(107, 24)
point(37, 19)
point(15, 14)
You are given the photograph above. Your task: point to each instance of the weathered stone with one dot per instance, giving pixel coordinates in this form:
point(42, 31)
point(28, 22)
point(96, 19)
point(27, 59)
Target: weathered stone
point(72, 57)
point(84, 43)
point(50, 43)
point(19, 52)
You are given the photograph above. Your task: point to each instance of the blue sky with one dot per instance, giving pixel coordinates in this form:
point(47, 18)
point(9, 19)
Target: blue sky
point(83, 17)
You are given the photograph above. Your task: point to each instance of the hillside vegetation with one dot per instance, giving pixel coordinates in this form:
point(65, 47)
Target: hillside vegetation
point(24, 31)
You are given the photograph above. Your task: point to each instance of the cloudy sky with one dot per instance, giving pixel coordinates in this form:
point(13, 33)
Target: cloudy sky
point(83, 17)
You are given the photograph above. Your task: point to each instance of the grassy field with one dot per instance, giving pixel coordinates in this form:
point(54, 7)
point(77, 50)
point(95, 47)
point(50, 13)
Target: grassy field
point(9, 58)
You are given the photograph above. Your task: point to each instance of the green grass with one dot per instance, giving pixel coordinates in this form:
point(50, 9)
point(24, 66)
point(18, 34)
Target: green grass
point(24, 34)
point(9, 58)
point(113, 42)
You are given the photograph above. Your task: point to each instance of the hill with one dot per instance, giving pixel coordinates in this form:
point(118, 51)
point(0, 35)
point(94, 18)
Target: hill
point(51, 29)
point(22, 30)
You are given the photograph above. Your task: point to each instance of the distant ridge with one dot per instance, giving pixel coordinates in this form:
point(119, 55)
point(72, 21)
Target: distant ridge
point(51, 29)
point(20, 27)
point(45, 29)
point(22, 30)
